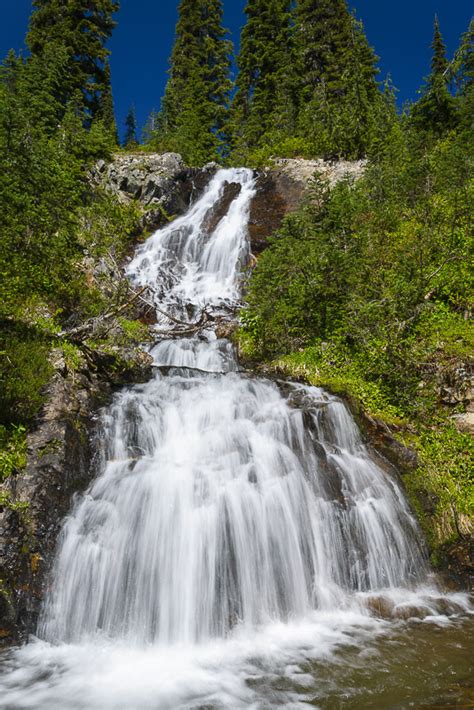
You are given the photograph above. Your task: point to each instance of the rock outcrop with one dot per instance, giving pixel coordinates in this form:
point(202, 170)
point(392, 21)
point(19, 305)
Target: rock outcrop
point(60, 462)
point(165, 187)
point(280, 190)
point(161, 183)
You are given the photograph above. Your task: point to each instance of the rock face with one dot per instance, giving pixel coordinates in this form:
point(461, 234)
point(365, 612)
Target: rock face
point(281, 189)
point(165, 187)
point(161, 183)
point(59, 464)
point(455, 387)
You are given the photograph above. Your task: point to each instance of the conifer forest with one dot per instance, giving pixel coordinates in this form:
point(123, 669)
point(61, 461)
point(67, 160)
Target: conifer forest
point(236, 368)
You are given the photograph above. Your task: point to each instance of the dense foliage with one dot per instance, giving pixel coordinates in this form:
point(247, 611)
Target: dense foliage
point(306, 83)
point(80, 28)
point(370, 284)
point(56, 118)
point(265, 63)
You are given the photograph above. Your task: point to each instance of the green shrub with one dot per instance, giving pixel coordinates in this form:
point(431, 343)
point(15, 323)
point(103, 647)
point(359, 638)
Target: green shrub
point(12, 450)
point(24, 371)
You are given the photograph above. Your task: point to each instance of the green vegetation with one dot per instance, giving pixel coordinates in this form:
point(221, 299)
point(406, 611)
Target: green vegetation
point(130, 140)
point(306, 84)
point(367, 289)
point(56, 120)
point(79, 31)
point(12, 450)
point(443, 479)
point(260, 106)
point(194, 107)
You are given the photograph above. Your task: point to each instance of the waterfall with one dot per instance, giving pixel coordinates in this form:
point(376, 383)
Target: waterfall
point(225, 505)
point(219, 503)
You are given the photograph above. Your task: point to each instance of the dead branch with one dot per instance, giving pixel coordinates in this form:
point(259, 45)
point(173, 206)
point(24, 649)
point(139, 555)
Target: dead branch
point(81, 331)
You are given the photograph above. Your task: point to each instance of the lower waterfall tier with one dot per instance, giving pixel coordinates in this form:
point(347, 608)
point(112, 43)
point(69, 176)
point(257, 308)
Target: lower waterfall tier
point(223, 503)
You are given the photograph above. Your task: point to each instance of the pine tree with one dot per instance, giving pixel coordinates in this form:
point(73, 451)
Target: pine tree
point(461, 71)
point(83, 28)
point(436, 111)
point(262, 102)
point(194, 107)
point(338, 87)
point(324, 40)
point(106, 103)
point(130, 139)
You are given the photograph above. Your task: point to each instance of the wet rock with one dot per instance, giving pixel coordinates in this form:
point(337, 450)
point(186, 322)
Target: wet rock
point(58, 464)
point(381, 606)
point(276, 196)
point(221, 207)
point(383, 441)
point(226, 328)
point(448, 607)
point(123, 365)
point(281, 189)
point(457, 561)
point(410, 611)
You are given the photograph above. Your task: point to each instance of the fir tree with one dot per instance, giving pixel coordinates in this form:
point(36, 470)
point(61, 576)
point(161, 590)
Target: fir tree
point(262, 100)
point(436, 111)
point(130, 139)
point(339, 91)
point(324, 41)
point(82, 28)
point(194, 107)
point(461, 71)
point(106, 106)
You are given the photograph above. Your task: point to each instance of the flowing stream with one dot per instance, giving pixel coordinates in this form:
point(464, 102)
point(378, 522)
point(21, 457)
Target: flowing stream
point(240, 546)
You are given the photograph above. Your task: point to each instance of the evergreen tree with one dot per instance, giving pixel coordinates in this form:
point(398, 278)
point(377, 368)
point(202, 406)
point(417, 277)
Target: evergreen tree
point(82, 28)
point(107, 111)
point(436, 111)
point(194, 107)
point(151, 127)
point(130, 139)
point(324, 41)
point(339, 91)
point(263, 101)
point(461, 71)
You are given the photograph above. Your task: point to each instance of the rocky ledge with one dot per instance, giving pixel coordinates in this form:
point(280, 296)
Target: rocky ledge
point(161, 183)
point(281, 188)
point(164, 187)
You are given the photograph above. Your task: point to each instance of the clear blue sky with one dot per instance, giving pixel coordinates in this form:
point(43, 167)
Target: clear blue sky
point(400, 31)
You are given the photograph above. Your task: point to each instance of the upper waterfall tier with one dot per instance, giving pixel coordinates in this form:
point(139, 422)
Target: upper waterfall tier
point(196, 261)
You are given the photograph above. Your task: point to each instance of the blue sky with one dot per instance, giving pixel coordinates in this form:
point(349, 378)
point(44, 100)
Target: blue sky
point(400, 31)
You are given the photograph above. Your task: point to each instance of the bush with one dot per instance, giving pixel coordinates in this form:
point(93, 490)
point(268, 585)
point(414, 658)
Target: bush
point(24, 371)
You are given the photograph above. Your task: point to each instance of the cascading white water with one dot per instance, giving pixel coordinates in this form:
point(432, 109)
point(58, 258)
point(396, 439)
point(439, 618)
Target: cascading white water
point(189, 268)
point(223, 506)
